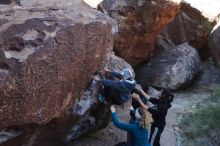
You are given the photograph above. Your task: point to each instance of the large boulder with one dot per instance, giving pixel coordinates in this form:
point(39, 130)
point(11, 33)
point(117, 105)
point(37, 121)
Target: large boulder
point(173, 69)
point(193, 24)
point(214, 41)
point(139, 21)
point(48, 51)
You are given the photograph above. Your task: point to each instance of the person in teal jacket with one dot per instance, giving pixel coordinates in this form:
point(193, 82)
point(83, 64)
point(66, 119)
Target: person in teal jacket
point(138, 128)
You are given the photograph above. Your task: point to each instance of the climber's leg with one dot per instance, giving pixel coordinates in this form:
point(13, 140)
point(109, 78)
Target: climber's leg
point(111, 95)
point(122, 144)
point(157, 137)
point(151, 132)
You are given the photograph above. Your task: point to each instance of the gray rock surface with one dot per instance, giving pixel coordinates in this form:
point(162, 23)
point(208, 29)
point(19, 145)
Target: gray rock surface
point(172, 69)
point(214, 41)
point(209, 76)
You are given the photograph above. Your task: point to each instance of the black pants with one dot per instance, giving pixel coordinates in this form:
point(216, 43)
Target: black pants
point(159, 132)
point(122, 144)
point(112, 96)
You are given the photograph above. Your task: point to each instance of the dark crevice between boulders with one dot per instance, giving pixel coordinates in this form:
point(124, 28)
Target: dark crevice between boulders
point(15, 44)
point(8, 2)
point(3, 21)
point(3, 63)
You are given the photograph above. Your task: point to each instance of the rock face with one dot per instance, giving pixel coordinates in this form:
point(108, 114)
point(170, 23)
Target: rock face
point(193, 24)
point(117, 64)
point(214, 41)
point(172, 70)
point(209, 76)
point(48, 51)
point(139, 22)
point(99, 116)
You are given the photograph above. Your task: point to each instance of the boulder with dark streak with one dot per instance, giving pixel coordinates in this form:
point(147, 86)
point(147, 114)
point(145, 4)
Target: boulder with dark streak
point(173, 69)
point(48, 51)
point(139, 21)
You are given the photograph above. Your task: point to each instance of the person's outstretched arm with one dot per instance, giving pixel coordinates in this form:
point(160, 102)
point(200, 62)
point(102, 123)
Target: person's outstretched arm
point(138, 99)
point(119, 124)
point(140, 89)
point(153, 100)
point(118, 85)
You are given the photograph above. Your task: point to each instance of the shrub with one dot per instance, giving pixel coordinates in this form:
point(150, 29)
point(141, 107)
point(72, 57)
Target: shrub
point(202, 127)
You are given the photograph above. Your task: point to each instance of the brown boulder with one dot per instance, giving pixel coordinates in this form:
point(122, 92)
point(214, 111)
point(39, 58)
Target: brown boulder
point(139, 22)
point(48, 51)
point(87, 116)
point(193, 24)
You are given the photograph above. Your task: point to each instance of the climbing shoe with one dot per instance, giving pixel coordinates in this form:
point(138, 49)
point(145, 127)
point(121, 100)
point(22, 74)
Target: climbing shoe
point(101, 98)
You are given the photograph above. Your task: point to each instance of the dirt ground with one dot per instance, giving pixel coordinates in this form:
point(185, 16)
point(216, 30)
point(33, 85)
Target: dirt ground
point(108, 136)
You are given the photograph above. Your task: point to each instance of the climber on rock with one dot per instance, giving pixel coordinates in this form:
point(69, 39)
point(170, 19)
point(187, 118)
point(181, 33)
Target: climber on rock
point(158, 111)
point(138, 128)
point(116, 91)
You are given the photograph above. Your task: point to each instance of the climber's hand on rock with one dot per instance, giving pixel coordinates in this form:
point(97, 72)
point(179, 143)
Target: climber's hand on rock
point(138, 87)
point(131, 108)
point(96, 78)
point(112, 108)
point(105, 71)
point(136, 96)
